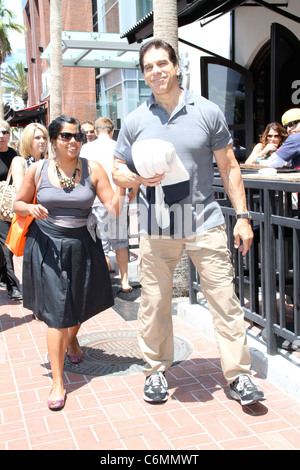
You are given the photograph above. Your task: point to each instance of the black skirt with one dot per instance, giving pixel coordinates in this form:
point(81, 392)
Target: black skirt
point(65, 275)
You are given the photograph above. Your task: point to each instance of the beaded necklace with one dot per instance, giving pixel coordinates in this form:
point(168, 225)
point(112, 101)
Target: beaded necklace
point(65, 181)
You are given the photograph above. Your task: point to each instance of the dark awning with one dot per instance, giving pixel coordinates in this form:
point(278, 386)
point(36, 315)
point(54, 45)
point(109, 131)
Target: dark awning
point(188, 11)
point(22, 117)
point(193, 10)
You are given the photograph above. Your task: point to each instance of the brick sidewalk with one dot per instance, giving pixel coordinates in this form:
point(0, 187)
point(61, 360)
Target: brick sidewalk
point(108, 413)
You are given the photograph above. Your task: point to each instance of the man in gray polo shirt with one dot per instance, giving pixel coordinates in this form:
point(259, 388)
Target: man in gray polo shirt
point(198, 131)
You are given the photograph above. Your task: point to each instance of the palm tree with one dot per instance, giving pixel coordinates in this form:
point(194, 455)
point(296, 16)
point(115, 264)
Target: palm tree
point(165, 21)
point(15, 79)
point(6, 25)
point(55, 59)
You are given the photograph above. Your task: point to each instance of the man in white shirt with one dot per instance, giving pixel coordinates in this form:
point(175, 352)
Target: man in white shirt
point(112, 230)
point(89, 130)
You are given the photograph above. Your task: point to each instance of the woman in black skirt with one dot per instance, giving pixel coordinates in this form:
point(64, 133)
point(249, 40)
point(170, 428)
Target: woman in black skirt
point(65, 276)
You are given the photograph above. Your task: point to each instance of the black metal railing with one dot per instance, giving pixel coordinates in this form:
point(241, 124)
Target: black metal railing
point(267, 279)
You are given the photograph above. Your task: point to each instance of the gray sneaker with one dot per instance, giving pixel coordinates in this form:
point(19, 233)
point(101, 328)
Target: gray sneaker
point(244, 390)
point(156, 386)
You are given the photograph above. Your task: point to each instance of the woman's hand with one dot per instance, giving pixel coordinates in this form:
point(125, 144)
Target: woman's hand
point(269, 148)
point(38, 211)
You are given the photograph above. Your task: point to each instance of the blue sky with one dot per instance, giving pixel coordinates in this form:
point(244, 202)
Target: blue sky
point(17, 40)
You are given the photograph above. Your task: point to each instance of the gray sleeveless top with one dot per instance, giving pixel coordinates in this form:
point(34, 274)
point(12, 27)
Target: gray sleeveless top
point(74, 203)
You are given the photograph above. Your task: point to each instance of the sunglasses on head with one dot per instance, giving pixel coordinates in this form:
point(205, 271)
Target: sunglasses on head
point(4, 132)
point(67, 136)
point(292, 124)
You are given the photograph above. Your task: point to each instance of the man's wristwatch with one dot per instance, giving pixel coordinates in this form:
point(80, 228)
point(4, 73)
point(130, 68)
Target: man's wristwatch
point(246, 215)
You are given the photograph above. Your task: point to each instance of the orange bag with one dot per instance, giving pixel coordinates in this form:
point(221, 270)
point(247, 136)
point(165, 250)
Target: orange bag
point(17, 234)
point(16, 237)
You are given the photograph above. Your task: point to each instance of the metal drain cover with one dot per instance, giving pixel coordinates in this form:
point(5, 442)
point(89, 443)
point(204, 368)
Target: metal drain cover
point(116, 353)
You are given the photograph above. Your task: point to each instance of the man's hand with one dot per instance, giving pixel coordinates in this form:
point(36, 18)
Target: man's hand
point(125, 178)
point(243, 235)
point(153, 181)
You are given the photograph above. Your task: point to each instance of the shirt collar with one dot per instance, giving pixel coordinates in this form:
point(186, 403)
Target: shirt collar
point(188, 98)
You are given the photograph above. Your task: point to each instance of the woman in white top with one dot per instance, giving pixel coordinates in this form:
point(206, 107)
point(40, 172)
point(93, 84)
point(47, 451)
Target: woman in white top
point(33, 147)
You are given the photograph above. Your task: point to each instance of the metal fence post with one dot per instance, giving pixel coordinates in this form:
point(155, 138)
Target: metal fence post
point(270, 271)
point(192, 280)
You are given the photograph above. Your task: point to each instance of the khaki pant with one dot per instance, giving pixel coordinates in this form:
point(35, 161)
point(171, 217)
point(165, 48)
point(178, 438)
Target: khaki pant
point(211, 257)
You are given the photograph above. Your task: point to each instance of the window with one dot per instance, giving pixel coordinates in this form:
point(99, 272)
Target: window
point(143, 7)
point(109, 16)
point(95, 16)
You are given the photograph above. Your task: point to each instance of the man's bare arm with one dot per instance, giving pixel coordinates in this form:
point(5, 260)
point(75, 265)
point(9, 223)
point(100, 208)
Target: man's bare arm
point(125, 178)
point(230, 174)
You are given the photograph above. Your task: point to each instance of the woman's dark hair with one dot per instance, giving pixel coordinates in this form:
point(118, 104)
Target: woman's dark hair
point(157, 44)
point(277, 128)
point(56, 125)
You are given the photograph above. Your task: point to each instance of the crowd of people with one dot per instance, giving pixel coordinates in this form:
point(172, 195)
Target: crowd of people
point(86, 181)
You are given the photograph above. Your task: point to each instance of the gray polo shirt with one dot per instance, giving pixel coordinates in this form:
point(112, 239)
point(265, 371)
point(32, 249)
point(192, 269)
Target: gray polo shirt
point(196, 128)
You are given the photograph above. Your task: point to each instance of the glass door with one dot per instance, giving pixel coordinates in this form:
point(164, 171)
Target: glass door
point(230, 86)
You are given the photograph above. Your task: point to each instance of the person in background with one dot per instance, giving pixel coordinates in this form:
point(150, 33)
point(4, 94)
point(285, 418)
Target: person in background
point(8, 278)
point(273, 136)
point(289, 152)
point(113, 230)
point(239, 151)
point(198, 131)
point(65, 276)
point(15, 144)
point(89, 130)
point(33, 147)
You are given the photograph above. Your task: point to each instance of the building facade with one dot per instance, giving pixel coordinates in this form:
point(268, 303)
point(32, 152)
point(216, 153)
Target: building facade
point(119, 91)
point(87, 92)
point(252, 73)
point(79, 88)
point(243, 55)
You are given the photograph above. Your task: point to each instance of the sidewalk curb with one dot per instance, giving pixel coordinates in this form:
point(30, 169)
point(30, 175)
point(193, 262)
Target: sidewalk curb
point(283, 370)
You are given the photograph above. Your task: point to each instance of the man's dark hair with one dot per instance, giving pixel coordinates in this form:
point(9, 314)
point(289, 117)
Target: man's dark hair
point(157, 44)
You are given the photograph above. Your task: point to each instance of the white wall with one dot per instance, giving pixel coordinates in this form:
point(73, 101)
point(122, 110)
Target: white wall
point(253, 29)
point(214, 37)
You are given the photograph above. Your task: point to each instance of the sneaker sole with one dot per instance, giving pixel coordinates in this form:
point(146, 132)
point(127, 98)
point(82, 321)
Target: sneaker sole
point(153, 400)
point(252, 401)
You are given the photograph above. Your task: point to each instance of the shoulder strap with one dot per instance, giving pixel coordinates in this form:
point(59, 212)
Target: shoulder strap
point(5, 186)
point(37, 176)
point(38, 170)
point(9, 175)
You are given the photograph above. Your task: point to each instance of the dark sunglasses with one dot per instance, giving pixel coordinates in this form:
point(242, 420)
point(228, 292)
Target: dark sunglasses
point(291, 124)
point(67, 136)
point(4, 132)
